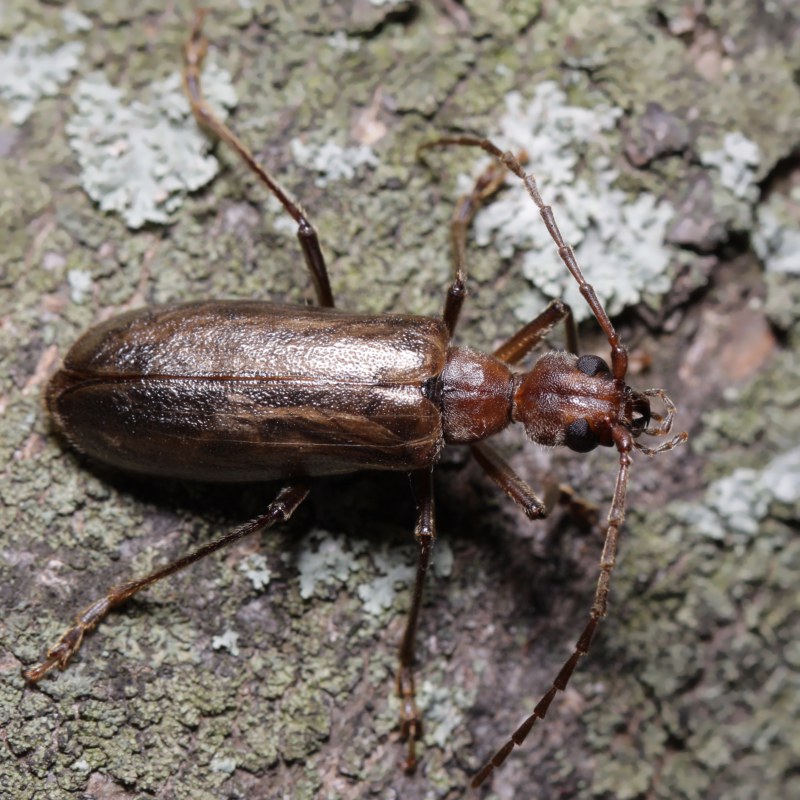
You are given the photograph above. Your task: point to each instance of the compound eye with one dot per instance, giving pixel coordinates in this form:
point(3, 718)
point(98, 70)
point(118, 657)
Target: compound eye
point(579, 437)
point(592, 365)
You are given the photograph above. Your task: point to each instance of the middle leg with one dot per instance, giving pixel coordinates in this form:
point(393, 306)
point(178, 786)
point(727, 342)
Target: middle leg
point(487, 184)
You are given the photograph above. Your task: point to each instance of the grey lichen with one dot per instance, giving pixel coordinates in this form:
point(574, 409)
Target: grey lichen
point(325, 560)
point(140, 158)
point(332, 162)
point(618, 242)
point(734, 164)
point(224, 764)
point(776, 240)
point(445, 709)
point(80, 284)
point(32, 68)
point(74, 21)
point(227, 640)
point(395, 567)
point(736, 504)
point(737, 161)
point(256, 569)
point(379, 595)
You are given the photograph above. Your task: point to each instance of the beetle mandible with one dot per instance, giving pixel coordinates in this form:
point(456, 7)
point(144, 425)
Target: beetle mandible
point(250, 391)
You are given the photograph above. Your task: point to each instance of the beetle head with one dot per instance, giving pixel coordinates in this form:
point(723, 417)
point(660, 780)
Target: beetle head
point(576, 402)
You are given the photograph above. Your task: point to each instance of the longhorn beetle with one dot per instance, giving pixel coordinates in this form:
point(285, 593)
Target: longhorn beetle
point(250, 391)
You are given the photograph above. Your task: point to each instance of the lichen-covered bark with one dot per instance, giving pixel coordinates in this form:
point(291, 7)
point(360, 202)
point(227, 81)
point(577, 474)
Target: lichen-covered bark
point(268, 672)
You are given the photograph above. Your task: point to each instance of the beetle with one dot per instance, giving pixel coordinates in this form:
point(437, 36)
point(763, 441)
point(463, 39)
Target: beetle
point(251, 391)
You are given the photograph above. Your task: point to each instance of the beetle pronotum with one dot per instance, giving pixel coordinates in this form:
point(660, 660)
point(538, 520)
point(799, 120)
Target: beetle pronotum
point(243, 391)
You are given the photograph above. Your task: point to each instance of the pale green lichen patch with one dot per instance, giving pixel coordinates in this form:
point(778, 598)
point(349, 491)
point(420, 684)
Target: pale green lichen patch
point(224, 764)
point(394, 570)
point(736, 504)
point(332, 162)
point(445, 707)
point(698, 597)
point(33, 67)
point(776, 239)
point(764, 411)
point(227, 640)
point(442, 559)
point(737, 162)
point(326, 561)
point(140, 158)
point(74, 21)
point(80, 284)
point(256, 569)
point(618, 241)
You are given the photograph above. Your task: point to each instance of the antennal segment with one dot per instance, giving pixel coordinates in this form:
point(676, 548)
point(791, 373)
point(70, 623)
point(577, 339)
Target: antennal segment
point(619, 354)
point(608, 559)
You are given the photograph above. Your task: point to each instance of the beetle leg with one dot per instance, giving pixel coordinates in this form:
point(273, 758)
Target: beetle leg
point(521, 493)
point(501, 473)
point(583, 511)
point(425, 534)
point(528, 336)
point(490, 180)
point(284, 505)
point(194, 53)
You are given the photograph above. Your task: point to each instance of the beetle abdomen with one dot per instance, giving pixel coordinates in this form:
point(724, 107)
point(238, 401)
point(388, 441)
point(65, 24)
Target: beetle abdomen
point(240, 391)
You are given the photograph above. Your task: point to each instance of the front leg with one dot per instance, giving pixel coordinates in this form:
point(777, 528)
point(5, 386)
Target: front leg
point(498, 469)
point(490, 180)
point(425, 534)
point(529, 335)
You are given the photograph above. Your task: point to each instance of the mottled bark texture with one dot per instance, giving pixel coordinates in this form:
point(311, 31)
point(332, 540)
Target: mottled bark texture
point(267, 672)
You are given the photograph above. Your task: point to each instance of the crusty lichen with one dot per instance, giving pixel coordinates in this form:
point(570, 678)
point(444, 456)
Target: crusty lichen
point(32, 68)
point(141, 157)
point(618, 242)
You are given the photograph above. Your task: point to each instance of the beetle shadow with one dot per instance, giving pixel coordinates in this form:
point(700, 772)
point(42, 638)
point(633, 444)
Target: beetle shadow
point(351, 503)
point(467, 504)
point(533, 561)
point(530, 557)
